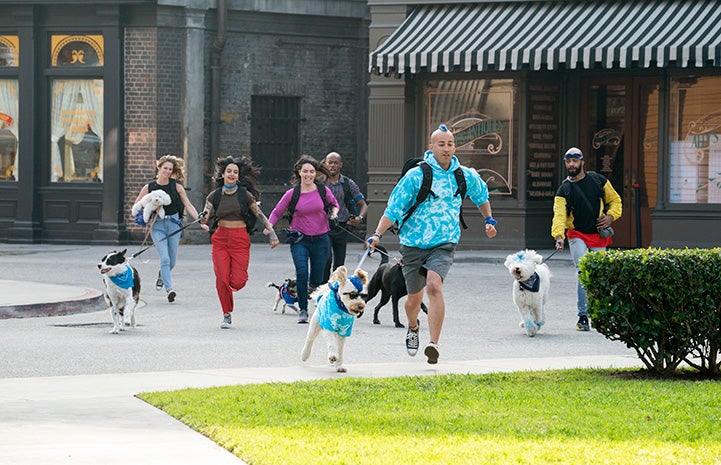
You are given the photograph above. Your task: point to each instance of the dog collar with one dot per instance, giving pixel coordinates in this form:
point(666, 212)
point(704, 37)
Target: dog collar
point(123, 280)
point(532, 284)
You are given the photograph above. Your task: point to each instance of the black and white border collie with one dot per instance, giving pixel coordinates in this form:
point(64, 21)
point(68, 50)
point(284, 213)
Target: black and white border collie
point(122, 289)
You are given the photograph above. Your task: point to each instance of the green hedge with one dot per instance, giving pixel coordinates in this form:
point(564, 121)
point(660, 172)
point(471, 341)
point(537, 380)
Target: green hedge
point(663, 303)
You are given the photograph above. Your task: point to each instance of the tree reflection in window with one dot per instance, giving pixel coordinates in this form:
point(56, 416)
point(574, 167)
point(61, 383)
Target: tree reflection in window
point(8, 154)
point(81, 161)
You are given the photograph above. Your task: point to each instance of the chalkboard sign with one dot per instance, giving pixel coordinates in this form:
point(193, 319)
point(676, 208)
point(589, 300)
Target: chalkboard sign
point(543, 148)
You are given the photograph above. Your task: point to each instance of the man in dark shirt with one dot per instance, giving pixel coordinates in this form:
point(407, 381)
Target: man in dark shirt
point(353, 209)
point(585, 204)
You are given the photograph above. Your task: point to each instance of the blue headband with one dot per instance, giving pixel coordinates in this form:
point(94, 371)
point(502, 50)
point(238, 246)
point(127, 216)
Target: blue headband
point(573, 152)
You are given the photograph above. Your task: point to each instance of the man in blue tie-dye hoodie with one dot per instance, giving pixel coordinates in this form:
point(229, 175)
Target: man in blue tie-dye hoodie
point(430, 235)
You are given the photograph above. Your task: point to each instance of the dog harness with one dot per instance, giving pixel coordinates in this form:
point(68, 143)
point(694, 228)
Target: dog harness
point(123, 280)
point(332, 314)
point(289, 299)
point(532, 284)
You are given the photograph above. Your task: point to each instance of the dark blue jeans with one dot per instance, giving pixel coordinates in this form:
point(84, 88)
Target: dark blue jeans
point(313, 249)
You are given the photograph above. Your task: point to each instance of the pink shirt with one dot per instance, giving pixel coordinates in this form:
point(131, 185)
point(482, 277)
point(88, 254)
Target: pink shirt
point(309, 218)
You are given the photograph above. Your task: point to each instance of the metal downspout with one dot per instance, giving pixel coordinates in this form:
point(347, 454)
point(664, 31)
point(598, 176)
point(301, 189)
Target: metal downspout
point(218, 45)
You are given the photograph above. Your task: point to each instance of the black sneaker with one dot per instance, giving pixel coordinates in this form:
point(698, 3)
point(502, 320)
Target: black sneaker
point(582, 324)
point(412, 339)
point(159, 282)
point(303, 317)
point(226, 321)
point(431, 352)
point(171, 296)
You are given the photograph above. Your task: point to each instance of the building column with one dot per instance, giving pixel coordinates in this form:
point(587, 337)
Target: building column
point(193, 105)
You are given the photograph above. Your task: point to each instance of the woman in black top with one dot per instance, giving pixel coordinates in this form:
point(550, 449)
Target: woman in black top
point(171, 173)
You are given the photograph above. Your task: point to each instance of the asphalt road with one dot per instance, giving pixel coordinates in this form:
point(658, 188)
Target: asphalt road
point(481, 320)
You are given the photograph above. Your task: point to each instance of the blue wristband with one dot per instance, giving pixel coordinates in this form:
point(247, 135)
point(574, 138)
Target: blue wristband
point(491, 221)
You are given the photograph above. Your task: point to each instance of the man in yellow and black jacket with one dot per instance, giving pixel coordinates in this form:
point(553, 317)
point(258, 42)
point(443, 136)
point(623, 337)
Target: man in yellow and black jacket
point(584, 207)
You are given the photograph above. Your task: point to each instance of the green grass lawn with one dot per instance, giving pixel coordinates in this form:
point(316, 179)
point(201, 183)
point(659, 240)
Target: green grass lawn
point(549, 417)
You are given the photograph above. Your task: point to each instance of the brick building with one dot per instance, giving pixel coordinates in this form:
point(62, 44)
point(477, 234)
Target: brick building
point(93, 92)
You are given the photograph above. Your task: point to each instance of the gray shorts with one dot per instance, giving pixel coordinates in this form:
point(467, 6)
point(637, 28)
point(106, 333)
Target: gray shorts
point(417, 262)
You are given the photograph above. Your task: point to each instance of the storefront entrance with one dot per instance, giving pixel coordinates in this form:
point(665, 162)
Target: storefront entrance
point(619, 137)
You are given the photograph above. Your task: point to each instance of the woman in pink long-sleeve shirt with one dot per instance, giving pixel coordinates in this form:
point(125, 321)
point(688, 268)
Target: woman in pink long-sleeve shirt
point(310, 216)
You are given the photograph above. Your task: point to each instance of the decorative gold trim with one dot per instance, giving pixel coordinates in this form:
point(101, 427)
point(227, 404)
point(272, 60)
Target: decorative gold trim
point(13, 43)
point(95, 41)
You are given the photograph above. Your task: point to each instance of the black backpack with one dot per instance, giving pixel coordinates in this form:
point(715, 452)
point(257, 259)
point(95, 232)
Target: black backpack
point(296, 196)
point(426, 184)
point(241, 195)
point(348, 197)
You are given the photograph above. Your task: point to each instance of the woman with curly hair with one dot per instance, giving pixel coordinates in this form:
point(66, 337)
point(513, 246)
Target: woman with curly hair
point(230, 208)
point(171, 173)
point(310, 205)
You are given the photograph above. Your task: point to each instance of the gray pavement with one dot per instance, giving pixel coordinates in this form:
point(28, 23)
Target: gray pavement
point(67, 386)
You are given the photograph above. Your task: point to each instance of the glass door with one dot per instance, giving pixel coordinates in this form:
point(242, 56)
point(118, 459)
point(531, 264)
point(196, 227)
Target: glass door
point(619, 137)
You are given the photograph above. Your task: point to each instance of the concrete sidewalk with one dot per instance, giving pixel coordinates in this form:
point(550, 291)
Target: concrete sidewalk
point(67, 387)
point(95, 419)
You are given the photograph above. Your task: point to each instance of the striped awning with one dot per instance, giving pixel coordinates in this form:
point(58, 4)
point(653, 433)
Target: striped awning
point(579, 34)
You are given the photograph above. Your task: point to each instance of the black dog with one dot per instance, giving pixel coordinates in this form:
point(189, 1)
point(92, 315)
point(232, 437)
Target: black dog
point(389, 281)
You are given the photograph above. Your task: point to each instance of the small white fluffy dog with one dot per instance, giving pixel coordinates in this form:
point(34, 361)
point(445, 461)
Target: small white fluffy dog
point(122, 289)
point(338, 304)
point(530, 289)
point(151, 202)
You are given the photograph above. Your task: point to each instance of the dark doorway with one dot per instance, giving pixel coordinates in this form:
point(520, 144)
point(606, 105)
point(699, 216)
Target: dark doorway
point(619, 137)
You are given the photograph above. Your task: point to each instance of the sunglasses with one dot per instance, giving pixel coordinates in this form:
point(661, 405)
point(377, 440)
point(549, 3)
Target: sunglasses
point(355, 295)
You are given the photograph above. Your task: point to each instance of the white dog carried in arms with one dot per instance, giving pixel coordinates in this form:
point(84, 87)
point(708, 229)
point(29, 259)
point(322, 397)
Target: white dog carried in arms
point(338, 304)
point(152, 202)
point(530, 288)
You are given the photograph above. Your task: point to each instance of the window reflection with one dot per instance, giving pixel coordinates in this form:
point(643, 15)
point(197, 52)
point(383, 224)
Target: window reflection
point(9, 51)
point(480, 114)
point(8, 129)
point(695, 171)
point(77, 131)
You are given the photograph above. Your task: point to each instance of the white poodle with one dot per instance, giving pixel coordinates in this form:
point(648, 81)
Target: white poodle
point(530, 289)
point(152, 202)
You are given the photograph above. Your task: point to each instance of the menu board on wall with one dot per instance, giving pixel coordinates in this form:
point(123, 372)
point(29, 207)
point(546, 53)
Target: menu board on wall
point(543, 149)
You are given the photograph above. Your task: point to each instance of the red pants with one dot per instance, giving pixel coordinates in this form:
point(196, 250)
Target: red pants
point(231, 255)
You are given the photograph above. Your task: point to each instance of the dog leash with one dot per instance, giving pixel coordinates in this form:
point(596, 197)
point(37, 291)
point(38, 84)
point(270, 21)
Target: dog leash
point(367, 248)
point(200, 217)
point(552, 254)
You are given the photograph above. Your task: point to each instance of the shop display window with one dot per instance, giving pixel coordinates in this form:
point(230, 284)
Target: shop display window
point(8, 130)
point(77, 130)
point(481, 115)
point(695, 140)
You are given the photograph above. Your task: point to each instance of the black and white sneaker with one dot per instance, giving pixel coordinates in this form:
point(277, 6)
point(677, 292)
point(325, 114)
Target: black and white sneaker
point(159, 283)
point(583, 324)
point(412, 339)
point(171, 296)
point(431, 352)
point(226, 321)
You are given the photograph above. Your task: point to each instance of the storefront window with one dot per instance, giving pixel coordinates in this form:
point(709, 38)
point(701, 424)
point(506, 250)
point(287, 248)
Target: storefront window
point(8, 130)
point(77, 130)
point(480, 114)
point(695, 146)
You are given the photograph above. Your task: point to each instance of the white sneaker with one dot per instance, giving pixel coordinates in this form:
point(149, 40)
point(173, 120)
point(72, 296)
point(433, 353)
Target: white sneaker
point(431, 352)
point(226, 321)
